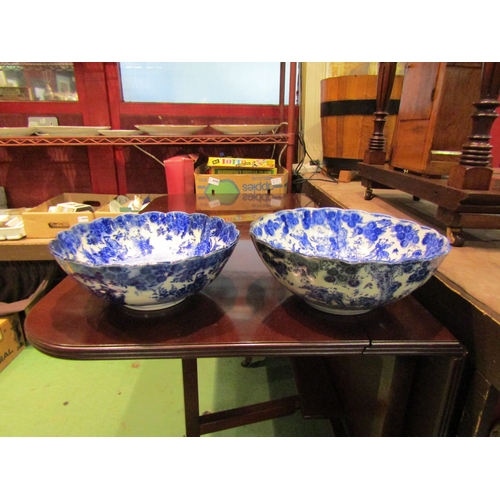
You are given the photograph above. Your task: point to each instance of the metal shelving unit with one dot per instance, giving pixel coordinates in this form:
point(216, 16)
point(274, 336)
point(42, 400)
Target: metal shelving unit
point(49, 140)
point(106, 167)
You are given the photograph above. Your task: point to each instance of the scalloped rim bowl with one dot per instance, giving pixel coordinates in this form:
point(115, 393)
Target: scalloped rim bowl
point(146, 261)
point(347, 261)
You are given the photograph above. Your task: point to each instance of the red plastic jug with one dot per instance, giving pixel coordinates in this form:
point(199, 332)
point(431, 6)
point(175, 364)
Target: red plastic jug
point(179, 171)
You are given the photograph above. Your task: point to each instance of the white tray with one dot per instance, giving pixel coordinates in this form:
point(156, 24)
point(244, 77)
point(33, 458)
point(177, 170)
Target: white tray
point(11, 227)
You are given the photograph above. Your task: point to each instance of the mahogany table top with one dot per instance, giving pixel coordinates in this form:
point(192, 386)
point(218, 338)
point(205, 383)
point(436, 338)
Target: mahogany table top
point(244, 312)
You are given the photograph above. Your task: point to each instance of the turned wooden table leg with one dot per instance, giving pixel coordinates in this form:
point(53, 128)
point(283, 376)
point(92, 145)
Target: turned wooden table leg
point(474, 172)
point(455, 235)
point(368, 185)
point(376, 153)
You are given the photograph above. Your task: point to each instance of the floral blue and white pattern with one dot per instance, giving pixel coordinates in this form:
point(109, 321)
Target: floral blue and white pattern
point(146, 261)
point(347, 261)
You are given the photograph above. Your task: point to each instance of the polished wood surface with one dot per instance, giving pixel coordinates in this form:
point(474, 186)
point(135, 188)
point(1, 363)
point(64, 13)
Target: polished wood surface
point(245, 311)
point(25, 249)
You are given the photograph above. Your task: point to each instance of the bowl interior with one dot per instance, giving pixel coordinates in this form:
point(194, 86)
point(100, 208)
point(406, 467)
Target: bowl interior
point(138, 239)
point(349, 235)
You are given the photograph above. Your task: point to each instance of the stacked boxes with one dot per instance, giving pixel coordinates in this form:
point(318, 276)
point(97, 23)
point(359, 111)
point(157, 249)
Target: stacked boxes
point(233, 166)
point(238, 189)
point(243, 178)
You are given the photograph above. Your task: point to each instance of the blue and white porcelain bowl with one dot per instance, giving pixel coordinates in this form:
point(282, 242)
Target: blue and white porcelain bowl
point(146, 261)
point(347, 261)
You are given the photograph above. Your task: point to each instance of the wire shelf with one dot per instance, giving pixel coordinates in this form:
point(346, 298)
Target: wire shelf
point(46, 140)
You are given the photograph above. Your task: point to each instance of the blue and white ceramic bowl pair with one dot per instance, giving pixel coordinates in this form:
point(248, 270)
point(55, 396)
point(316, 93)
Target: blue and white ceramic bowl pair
point(146, 261)
point(347, 261)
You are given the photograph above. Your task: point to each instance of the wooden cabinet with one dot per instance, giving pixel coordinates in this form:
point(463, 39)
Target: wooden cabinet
point(434, 117)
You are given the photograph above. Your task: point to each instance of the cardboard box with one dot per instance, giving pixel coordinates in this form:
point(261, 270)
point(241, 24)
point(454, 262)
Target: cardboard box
point(12, 340)
point(242, 187)
point(232, 170)
point(237, 209)
point(105, 211)
point(39, 223)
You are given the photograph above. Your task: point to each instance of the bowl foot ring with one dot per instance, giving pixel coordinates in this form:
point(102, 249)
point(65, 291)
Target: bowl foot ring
point(155, 307)
point(340, 312)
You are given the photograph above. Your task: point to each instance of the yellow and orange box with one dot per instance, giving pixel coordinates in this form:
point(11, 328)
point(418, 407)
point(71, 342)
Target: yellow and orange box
point(227, 165)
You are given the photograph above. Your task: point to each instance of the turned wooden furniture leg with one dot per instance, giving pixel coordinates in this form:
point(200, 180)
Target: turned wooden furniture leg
point(368, 185)
point(455, 235)
point(247, 361)
point(376, 153)
point(209, 422)
point(473, 171)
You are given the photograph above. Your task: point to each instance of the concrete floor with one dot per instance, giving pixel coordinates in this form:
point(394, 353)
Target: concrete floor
point(42, 396)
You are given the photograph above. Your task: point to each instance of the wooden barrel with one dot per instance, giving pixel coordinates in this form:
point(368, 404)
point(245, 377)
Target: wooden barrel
point(347, 107)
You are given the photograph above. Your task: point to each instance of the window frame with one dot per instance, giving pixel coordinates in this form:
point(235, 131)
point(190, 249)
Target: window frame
point(182, 113)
